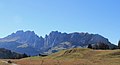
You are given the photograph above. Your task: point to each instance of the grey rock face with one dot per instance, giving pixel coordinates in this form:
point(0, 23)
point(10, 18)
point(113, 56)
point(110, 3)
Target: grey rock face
point(78, 39)
point(23, 42)
point(57, 40)
point(28, 37)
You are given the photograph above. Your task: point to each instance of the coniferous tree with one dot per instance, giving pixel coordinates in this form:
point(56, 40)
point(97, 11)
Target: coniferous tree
point(90, 46)
point(25, 55)
point(119, 44)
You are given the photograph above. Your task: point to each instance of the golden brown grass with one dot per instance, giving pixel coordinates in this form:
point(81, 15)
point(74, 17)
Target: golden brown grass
point(75, 57)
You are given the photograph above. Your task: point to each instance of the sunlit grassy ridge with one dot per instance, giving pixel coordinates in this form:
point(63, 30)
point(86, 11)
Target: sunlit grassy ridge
point(71, 53)
point(76, 56)
point(84, 53)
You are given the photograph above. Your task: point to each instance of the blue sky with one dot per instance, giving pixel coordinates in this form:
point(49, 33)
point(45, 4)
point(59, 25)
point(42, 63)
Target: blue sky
point(42, 16)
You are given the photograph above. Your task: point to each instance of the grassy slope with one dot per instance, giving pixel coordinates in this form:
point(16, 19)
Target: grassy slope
point(76, 57)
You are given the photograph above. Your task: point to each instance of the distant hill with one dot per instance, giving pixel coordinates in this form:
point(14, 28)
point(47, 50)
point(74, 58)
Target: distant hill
point(7, 54)
point(30, 43)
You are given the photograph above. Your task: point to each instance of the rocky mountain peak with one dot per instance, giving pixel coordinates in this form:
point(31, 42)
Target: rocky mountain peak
point(21, 33)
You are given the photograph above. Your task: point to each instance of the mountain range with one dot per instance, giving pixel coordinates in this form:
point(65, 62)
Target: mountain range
point(31, 44)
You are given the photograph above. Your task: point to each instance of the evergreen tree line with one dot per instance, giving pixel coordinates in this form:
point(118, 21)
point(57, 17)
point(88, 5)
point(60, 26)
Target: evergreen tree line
point(103, 46)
